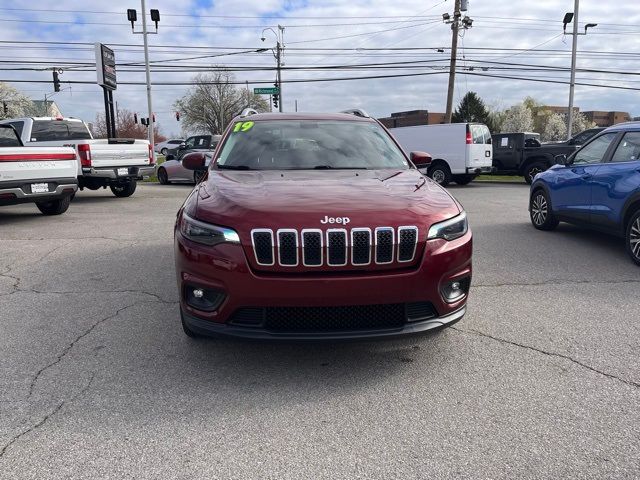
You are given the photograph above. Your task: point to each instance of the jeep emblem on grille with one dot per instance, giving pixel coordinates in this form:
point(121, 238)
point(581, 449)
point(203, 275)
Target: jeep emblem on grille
point(342, 220)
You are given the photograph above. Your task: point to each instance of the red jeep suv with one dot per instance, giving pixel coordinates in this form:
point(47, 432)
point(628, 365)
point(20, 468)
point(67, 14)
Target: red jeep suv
point(311, 226)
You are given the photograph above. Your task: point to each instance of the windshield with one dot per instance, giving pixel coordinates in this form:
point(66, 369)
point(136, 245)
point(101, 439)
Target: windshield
point(309, 144)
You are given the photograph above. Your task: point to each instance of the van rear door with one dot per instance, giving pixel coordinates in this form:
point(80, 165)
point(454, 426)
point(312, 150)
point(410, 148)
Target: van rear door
point(479, 148)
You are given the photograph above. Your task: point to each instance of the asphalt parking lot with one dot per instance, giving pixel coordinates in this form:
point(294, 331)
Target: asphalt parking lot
point(541, 379)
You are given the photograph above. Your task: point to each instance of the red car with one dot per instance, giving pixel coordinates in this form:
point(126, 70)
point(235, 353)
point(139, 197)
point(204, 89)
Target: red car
point(318, 227)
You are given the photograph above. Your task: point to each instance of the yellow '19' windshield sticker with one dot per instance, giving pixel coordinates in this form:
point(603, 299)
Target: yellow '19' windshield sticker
point(243, 126)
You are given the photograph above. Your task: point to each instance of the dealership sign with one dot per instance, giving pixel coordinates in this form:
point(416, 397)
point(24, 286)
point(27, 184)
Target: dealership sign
point(106, 67)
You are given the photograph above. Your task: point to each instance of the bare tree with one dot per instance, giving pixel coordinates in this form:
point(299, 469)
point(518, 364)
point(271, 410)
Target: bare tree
point(214, 100)
point(125, 126)
point(13, 103)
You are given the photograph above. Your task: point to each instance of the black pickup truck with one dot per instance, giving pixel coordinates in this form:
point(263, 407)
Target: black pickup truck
point(523, 154)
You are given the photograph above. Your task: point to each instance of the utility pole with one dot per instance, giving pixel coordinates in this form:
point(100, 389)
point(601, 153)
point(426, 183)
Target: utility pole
point(457, 22)
point(452, 63)
point(278, 54)
point(147, 70)
point(278, 59)
point(568, 17)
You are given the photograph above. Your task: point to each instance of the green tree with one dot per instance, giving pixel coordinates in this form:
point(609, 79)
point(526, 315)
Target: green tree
point(473, 109)
point(214, 100)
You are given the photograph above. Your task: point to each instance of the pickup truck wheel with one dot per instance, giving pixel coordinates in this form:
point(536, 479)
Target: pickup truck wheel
point(164, 151)
point(540, 212)
point(124, 189)
point(163, 178)
point(55, 207)
point(532, 170)
point(633, 237)
point(440, 174)
point(463, 179)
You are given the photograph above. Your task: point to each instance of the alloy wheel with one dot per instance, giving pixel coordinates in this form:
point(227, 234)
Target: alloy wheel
point(634, 238)
point(539, 209)
point(437, 176)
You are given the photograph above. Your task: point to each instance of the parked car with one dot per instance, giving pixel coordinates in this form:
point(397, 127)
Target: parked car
point(580, 138)
point(523, 154)
point(45, 176)
point(173, 171)
point(163, 147)
point(318, 226)
point(117, 163)
point(196, 143)
point(598, 187)
point(461, 151)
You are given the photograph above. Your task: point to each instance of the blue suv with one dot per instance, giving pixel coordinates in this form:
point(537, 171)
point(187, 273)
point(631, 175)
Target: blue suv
point(598, 186)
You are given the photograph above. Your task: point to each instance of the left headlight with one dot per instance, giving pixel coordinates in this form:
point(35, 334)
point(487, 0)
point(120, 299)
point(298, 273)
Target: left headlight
point(449, 229)
point(205, 233)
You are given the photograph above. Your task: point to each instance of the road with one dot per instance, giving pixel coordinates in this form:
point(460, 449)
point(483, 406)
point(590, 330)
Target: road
point(541, 379)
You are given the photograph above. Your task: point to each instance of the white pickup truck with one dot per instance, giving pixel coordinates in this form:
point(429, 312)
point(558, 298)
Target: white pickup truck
point(117, 163)
point(45, 176)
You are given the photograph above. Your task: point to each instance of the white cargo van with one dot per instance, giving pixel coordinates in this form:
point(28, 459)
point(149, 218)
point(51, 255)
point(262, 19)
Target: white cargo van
point(460, 151)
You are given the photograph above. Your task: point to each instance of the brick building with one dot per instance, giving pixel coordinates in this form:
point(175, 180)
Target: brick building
point(606, 119)
point(412, 118)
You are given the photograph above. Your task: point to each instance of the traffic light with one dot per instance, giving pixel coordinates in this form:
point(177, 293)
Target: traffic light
point(135, 118)
point(178, 116)
point(153, 117)
point(56, 82)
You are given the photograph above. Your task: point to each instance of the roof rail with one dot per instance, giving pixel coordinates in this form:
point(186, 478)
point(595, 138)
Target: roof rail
point(248, 111)
point(357, 112)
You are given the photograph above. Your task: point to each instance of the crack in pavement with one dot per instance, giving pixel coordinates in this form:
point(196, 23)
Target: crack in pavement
point(46, 418)
point(555, 283)
point(544, 352)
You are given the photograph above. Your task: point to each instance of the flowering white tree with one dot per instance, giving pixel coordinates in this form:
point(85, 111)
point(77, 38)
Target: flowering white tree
point(580, 123)
point(555, 128)
point(13, 103)
point(518, 118)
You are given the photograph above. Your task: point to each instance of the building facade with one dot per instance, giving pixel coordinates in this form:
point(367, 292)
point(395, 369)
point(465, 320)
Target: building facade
point(606, 119)
point(412, 118)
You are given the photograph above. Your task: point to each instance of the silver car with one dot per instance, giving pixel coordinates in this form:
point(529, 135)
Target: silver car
point(173, 171)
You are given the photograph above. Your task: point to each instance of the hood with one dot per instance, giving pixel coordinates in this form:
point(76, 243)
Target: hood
point(302, 198)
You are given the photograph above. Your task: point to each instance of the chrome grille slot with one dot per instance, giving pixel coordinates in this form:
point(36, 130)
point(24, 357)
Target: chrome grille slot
point(360, 246)
point(407, 241)
point(288, 247)
point(336, 247)
point(312, 248)
point(384, 245)
point(262, 239)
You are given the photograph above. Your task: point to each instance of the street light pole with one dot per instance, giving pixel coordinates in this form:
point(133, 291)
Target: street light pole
point(148, 72)
point(572, 82)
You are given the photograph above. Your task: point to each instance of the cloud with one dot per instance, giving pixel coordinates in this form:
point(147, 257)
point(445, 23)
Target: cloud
point(497, 24)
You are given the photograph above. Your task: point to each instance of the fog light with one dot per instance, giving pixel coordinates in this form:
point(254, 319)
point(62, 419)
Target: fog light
point(455, 289)
point(202, 298)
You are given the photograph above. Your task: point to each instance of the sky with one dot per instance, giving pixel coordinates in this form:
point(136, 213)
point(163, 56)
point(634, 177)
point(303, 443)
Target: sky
point(506, 39)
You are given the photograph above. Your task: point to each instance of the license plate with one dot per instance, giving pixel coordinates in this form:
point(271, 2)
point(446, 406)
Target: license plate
point(39, 187)
point(123, 171)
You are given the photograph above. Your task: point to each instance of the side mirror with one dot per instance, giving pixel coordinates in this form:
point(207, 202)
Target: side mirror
point(182, 146)
point(194, 161)
point(420, 159)
point(560, 159)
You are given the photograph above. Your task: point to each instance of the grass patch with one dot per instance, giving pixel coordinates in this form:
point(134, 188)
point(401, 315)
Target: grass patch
point(500, 178)
point(153, 179)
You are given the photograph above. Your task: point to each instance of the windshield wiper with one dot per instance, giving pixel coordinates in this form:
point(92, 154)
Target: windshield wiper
point(329, 167)
point(234, 167)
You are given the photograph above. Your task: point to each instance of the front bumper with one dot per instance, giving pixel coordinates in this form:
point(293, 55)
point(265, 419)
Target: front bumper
point(111, 173)
point(15, 192)
point(224, 268)
point(207, 328)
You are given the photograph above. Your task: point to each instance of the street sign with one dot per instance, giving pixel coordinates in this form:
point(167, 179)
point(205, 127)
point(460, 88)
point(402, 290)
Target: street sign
point(106, 67)
point(266, 91)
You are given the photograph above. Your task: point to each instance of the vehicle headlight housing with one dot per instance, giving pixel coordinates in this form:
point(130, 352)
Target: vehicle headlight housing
point(450, 229)
point(206, 233)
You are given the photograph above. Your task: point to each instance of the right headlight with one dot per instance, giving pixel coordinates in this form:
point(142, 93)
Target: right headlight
point(205, 233)
point(449, 229)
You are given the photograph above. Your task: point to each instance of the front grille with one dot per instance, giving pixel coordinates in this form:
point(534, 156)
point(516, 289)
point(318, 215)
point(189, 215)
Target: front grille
point(337, 247)
point(332, 319)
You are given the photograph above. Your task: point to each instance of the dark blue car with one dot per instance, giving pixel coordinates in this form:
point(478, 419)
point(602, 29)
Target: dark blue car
point(597, 186)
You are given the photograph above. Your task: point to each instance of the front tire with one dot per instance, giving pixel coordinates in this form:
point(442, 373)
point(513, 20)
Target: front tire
point(163, 177)
point(532, 170)
point(440, 174)
point(633, 237)
point(54, 207)
point(124, 189)
point(540, 212)
point(163, 151)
